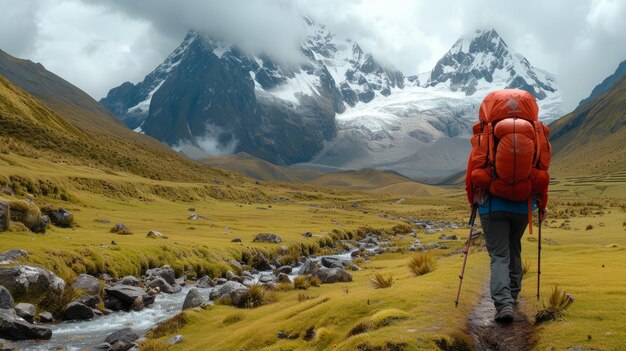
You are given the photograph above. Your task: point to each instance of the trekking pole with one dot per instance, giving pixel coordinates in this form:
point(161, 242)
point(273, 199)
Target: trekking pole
point(468, 243)
point(539, 254)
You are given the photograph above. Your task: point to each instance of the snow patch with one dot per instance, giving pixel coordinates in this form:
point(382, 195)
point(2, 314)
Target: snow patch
point(302, 83)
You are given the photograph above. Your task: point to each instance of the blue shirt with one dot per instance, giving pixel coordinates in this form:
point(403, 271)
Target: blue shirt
point(499, 204)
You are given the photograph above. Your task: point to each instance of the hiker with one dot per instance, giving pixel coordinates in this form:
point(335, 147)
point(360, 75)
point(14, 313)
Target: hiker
point(506, 180)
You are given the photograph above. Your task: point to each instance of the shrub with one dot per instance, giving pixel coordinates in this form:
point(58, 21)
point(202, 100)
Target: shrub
point(169, 326)
point(559, 302)
point(301, 282)
point(422, 264)
point(314, 281)
point(304, 297)
point(381, 282)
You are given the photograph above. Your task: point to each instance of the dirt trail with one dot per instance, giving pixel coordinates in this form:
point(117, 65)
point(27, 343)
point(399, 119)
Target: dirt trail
point(489, 335)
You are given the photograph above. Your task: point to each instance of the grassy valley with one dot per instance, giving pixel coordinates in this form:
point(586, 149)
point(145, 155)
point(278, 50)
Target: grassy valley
point(52, 154)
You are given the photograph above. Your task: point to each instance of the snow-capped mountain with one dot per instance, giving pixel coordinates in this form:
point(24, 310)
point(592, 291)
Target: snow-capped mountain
point(422, 130)
point(338, 109)
point(208, 97)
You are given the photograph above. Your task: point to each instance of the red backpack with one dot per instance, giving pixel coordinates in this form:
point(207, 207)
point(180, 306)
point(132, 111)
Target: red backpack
point(510, 150)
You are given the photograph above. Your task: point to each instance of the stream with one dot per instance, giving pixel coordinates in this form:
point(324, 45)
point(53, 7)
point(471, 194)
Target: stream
point(86, 335)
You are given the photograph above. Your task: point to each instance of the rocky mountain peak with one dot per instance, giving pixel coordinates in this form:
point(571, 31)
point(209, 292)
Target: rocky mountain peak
point(482, 61)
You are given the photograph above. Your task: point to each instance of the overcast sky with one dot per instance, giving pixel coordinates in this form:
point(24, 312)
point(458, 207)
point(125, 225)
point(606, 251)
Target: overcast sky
point(98, 45)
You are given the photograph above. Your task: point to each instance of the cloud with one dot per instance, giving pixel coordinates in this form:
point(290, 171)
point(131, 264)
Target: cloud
point(98, 45)
point(214, 142)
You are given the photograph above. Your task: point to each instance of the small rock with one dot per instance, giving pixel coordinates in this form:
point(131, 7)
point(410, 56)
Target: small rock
point(13, 256)
point(126, 335)
point(331, 262)
point(191, 209)
point(267, 278)
point(89, 300)
point(333, 275)
point(153, 234)
point(164, 272)
point(355, 205)
point(130, 280)
point(102, 220)
point(45, 317)
point(195, 217)
point(87, 283)
point(126, 294)
point(205, 282)
point(236, 240)
point(121, 228)
point(307, 234)
point(104, 346)
point(308, 267)
point(26, 311)
point(284, 269)
point(267, 238)
point(239, 296)
point(138, 304)
point(193, 299)
point(176, 339)
point(77, 311)
point(6, 300)
point(227, 288)
point(221, 281)
point(164, 286)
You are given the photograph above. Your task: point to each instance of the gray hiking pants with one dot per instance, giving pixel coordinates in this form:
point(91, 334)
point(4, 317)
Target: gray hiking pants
point(503, 234)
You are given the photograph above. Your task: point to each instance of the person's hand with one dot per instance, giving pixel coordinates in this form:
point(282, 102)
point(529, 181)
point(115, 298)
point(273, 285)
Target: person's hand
point(543, 214)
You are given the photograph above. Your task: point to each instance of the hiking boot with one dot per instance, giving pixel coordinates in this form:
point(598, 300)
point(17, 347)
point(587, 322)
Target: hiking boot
point(505, 315)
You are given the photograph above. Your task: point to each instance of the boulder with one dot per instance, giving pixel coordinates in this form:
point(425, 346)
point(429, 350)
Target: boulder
point(113, 304)
point(138, 304)
point(87, 283)
point(121, 228)
point(13, 327)
point(6, 300)
point(153, 234)
point(182, 281)
point(176, 339)
point(284, 269)
point(267, 238)
point(13, 256)
point(205, 282)
point(60, 217)
point(126, 294)
point(193, 299)
point(261, 263)
point(164, 272)
point(130, 280)
point(164, 286)
point(332, 275)
point(220, 281)
point(235, 264)
point(26, 311)
point(41, 225)
point(90, 300)
point(45, 317)
point(4, 216)
point(308, 267)
point(77, 311)
point(239, 296)
point(331, 262)
point(22, 279)
point(267, 278)
point(123, 338)
point(227, 288)
point(229, 275)
point(28, 214)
